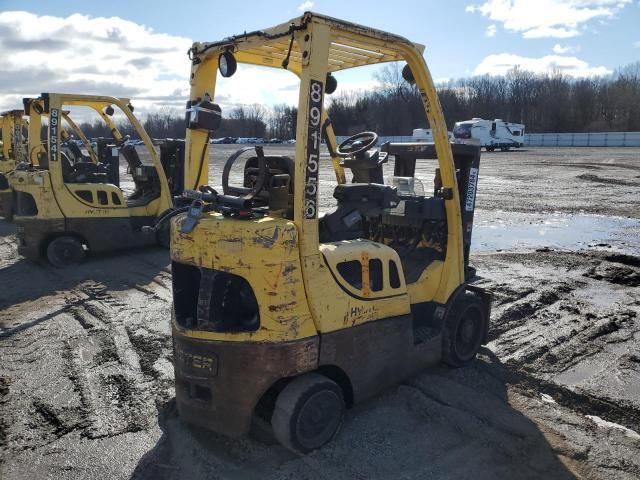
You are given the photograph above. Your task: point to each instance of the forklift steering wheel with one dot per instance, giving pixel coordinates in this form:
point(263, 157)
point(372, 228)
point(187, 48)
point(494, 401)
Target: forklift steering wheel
point(360, 142)
point(245, 192)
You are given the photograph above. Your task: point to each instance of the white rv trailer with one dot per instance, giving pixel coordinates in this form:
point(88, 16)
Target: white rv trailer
point(491, 134)
point(426, 135)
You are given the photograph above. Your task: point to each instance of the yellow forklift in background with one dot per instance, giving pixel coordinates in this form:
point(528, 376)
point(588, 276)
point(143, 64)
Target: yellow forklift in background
point(12, 152)
point(68, 202)
point(87, 151)
point(285, 317)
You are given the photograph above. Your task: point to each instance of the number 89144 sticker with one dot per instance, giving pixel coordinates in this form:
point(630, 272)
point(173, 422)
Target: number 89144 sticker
point(316, 89)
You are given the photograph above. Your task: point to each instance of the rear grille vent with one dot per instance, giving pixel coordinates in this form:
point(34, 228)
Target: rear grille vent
point(213, 300)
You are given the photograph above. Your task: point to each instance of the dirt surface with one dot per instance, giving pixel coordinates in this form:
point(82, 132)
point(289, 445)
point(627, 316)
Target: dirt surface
point(86, 379)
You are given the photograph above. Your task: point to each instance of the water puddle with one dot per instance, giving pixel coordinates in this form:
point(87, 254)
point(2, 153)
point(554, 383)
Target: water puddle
point(512, 231)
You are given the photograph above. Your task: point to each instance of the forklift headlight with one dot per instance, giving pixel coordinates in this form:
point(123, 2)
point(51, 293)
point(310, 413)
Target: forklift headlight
point(331, 84)
point(227, 64)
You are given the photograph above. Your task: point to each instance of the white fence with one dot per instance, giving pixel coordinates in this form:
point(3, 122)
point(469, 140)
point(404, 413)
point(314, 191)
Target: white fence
point(605, 139)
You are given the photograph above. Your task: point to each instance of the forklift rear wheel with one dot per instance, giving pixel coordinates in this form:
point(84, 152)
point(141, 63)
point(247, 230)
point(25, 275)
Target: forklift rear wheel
point(464, 330)
point(64, 251)
point(308, 412)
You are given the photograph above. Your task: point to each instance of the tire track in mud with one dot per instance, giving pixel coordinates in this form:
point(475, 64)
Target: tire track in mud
point(543, 330)
point(106, 372)
point(523, 306)
point(107, 395)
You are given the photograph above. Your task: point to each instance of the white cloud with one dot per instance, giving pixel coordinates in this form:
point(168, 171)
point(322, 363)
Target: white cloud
point(501, 63)
point(637, 44)
point(547, 18)
point(491, 31)
point(83, 54)
point(116, 57)
point(304, 6)
point(560, 50)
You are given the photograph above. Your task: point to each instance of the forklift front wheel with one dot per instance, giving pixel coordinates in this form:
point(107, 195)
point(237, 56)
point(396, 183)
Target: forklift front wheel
point(308, 412)
point(64, 251)
point(464, 330)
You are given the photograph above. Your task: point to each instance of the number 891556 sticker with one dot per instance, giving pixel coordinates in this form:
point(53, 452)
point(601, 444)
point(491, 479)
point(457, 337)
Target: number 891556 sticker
point(316, 90)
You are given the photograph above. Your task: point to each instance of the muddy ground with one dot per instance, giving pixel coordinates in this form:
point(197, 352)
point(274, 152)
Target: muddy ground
point(86, 381)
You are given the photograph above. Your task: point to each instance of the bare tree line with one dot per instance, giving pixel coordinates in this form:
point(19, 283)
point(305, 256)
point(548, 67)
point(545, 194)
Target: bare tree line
point(243, 121)
point(551, 102)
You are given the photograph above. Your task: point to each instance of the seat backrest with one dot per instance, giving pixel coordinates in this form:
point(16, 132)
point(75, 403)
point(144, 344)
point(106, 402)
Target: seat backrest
point(368, 198)
point(276, 166)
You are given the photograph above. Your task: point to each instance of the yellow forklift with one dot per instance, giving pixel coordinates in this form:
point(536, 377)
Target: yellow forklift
point(87, 151)
point(285, 317)
point(68, 201)
point(12, 152)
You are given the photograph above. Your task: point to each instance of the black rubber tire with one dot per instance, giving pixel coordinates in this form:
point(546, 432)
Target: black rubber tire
point(64, 251)
point(308, 413)
point(464, 330)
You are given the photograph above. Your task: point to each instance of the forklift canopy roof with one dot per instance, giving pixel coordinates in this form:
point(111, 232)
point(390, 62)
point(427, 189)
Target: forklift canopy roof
point(352, 45)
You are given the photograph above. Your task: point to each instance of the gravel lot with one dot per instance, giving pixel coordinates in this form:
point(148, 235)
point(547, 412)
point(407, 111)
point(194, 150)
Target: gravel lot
point(86, 379)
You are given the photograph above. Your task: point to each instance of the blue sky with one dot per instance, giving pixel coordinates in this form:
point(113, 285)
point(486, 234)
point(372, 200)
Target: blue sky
point(581, 37)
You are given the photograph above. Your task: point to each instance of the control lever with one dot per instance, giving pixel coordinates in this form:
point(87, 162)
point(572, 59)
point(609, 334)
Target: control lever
point(200, 200)
point(189, 223)
point(206, 196)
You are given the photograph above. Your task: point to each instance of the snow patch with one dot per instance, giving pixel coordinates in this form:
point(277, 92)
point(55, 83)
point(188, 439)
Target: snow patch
point(604, 424)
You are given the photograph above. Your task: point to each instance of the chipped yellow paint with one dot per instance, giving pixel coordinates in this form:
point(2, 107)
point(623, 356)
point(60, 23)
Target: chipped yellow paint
point(341, 304)
point(264, 252)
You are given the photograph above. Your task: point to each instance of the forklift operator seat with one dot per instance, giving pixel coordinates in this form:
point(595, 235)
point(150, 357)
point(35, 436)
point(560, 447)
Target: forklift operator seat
point(144, 176)
point(277, 192)
point(356, 201)
point(79, 169)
